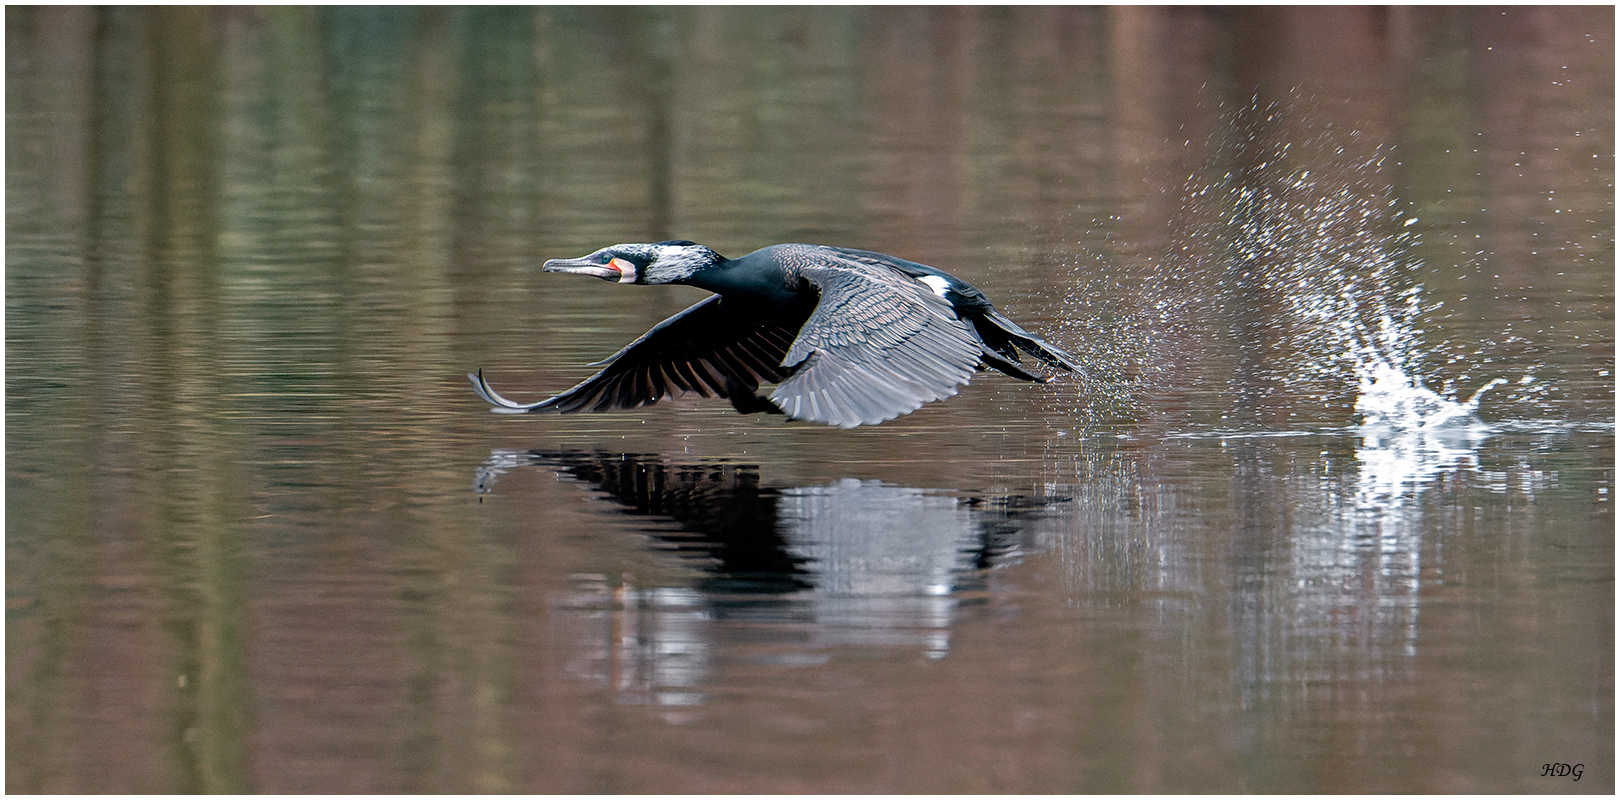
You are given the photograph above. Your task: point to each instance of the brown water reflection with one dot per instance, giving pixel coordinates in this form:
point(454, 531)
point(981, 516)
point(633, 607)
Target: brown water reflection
point(253, 543)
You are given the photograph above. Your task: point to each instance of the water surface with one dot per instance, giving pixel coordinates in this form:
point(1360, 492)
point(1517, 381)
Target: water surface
point(261, 536)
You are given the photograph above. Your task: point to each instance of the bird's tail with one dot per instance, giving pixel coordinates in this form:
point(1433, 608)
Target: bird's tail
point(1005, 342)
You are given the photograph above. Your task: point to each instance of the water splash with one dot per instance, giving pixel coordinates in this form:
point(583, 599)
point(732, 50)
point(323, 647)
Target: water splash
point(1391, 396)
point(1289, 296)
point(1336, 246)
point(1391, 400)
point(1289, 291)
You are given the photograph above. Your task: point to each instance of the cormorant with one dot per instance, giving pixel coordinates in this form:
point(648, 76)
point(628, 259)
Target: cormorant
point(850, 337)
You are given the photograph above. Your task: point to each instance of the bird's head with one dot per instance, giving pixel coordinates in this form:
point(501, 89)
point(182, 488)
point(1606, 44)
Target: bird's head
point(659, 262)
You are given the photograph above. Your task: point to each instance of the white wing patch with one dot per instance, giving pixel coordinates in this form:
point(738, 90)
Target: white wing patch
point(938, 284)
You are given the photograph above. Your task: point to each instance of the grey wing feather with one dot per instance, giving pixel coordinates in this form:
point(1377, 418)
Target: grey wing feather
point(878, 345)
point(1002, 337)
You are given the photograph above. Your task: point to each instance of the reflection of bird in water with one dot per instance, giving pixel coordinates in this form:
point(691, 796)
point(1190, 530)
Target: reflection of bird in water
point(846, 538)
point(801, 568)
point(850, 337)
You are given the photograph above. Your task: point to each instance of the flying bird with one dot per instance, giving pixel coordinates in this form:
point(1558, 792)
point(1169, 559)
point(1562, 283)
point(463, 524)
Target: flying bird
point(849, 337)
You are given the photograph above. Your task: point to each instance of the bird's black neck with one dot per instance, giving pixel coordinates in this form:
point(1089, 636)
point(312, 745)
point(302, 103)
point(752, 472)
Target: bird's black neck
point(755, 282)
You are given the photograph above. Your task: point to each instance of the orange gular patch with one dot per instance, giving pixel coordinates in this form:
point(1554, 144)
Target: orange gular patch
point(627, 270)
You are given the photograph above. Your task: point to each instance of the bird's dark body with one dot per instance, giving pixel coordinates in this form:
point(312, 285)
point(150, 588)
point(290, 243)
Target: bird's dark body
point(851, 337)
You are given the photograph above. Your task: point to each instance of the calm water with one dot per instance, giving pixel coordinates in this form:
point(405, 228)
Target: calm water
point(261, 536)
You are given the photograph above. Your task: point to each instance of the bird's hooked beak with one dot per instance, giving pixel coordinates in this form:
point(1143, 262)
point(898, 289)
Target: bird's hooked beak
point(615, 270)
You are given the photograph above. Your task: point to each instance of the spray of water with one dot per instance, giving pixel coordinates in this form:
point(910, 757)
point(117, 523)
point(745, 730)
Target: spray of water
point(1290, 270)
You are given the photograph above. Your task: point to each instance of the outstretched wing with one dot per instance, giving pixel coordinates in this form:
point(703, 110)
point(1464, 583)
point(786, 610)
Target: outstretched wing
point(707, 349)
point(878, 345)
